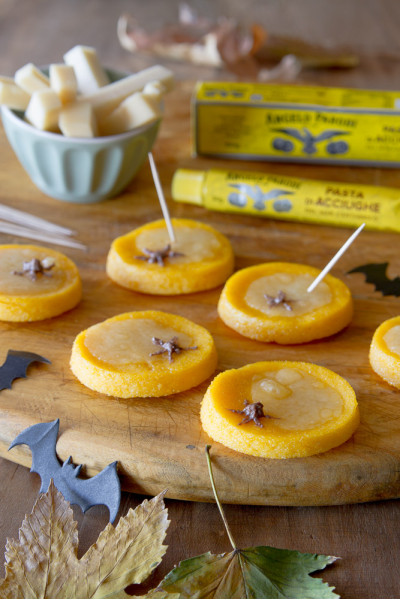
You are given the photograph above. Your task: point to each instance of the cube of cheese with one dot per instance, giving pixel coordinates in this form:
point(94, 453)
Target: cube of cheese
point(154, 89)
point(43, 110)
point(6, 79)
point(134, 111)
point(63, 82)
point(88, 70)
point(12, 95)
point(78, 120)
point(30, 79)
point(107, 98)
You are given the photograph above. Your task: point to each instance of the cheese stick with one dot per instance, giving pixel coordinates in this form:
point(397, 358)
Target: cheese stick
point(134, 111)
point(63, 82)
point(78, 120)
point(108, 97)
point(12, 95)
point(43, 110)
point(88, 70)
point(30, 79)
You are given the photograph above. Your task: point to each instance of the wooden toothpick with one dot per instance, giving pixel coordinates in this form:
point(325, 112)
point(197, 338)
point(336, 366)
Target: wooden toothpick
point(43, 236)
point(25, 219)
point(338, 254)
point(161, 199)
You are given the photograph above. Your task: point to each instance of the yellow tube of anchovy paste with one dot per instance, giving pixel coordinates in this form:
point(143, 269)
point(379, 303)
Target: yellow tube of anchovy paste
point(289, 198)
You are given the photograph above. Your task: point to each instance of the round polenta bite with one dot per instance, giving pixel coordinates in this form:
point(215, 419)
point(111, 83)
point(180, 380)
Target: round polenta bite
point(384, 354)
point(280, 409)
point(270, 303)
point(143, 354)
point(36, 283)
point(144, 260)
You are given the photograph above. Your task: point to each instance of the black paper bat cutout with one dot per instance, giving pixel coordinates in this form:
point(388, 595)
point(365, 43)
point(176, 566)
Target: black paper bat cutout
point(376, 273)
point(16, 365)
point(103, 488)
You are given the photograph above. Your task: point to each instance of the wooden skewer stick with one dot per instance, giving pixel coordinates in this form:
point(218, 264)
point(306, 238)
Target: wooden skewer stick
point(338, 254)
point(161, 199)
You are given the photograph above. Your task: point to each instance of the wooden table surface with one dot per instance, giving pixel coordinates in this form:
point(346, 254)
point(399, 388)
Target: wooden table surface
point(365, 536)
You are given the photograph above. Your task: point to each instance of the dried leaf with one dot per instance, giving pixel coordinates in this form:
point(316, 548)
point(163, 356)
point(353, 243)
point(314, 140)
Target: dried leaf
point(48, 539)
point(43, 563)
point(156, 594)
point(128, 553)
point(260, 572)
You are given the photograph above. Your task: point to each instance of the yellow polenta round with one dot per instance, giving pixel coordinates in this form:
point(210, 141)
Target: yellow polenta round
point(44, 295)
point(200, 259)
point(310, 408)
point(384, 354)
point(250, 303)
point(120, 357)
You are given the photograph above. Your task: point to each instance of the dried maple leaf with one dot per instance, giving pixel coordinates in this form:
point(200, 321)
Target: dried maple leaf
point(43, 563)
point(259, 572)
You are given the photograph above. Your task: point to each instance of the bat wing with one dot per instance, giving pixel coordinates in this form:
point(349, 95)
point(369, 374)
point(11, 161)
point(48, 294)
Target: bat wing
point(295, 133)
point(41, 439)
point(103, 488)
point(16, 366)
point(330, 133)
point(375, 273)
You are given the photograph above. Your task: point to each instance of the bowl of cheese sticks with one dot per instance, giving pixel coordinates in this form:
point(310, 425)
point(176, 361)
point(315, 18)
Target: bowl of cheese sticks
point(82, 131)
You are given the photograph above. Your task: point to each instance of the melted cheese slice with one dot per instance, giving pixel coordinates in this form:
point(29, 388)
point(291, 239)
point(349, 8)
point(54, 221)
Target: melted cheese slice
point(310, 408)
point(392, 339)
point(384, 353)
point(194, 244)
point(12, 260)
point(294, 286)
point(247, 303)
point(49, 294)
point(299, 400)
point(114, 357)
point(204, 261)
point(121, 343)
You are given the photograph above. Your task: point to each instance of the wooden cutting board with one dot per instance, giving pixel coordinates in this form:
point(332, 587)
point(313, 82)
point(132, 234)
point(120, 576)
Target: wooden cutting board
point(159, 443)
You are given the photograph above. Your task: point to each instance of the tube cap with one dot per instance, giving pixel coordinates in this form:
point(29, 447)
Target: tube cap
point(187, 186)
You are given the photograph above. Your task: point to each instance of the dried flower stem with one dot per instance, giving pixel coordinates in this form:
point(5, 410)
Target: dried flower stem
point(228, 531)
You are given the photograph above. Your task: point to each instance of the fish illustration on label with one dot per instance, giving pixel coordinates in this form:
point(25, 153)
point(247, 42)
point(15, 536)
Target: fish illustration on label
point(310, 141)
point(247, 192)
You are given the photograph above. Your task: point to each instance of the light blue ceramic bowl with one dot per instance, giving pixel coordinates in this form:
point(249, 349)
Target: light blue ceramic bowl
point(79, 170)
